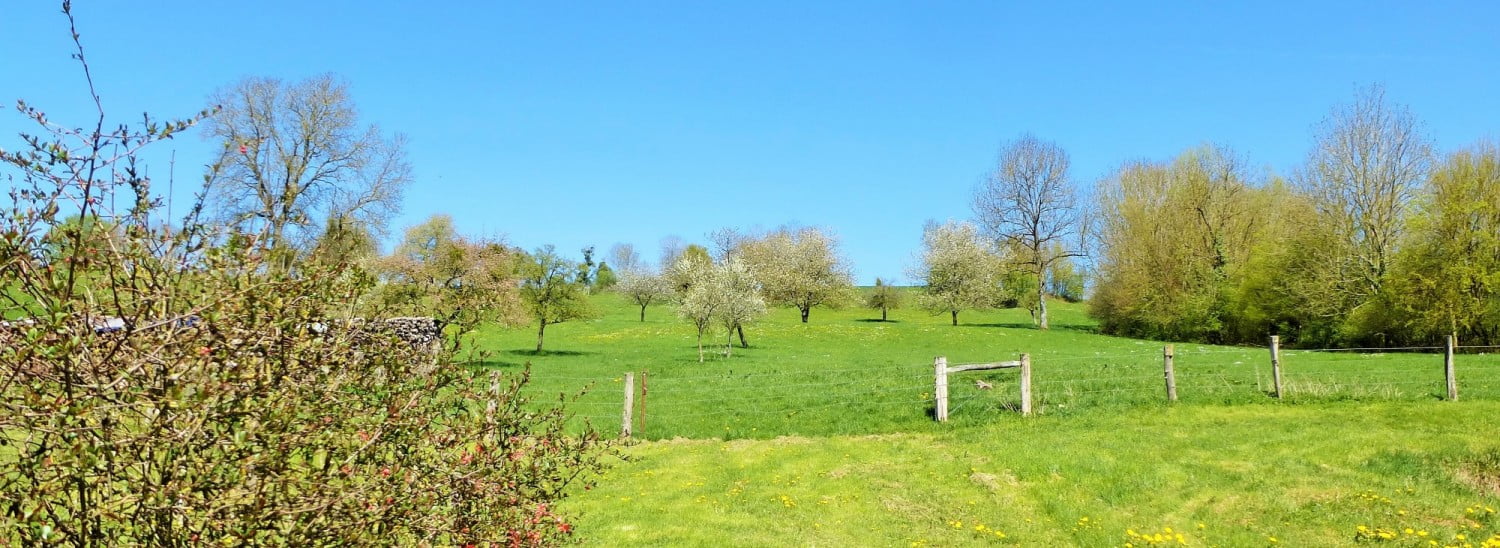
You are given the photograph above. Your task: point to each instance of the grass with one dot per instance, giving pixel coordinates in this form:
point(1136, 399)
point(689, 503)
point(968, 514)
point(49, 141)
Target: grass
point(821, 434)
point(1229, 476)
point(846, 374)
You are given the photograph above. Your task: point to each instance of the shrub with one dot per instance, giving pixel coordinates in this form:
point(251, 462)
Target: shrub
point(172, 384)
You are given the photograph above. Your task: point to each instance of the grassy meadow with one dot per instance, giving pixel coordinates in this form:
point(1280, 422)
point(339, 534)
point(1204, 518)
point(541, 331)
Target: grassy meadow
point(821, 434)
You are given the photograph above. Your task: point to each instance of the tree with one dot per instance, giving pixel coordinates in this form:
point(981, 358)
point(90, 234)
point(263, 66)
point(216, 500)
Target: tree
point(725, 293)
point(644, 288)
point(884, 297)
point(800, 268)
point(1361, 175)
point(461, 282)
point(551, 291)
point(740, 292)
point(1448, 274)
point(625, 258)
point(586, 268)
point(1175, 241)
point(698, 301)
point(345, 240)
point(957, 271)
point(295, 155)
point(1029, 204)
point(680, 278)
point(604, 277)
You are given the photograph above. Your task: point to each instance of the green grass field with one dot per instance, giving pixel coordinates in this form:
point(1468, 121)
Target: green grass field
point(821, 434)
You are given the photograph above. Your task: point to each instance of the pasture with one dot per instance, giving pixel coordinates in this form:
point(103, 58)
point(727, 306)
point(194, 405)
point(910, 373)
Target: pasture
point(821, 434)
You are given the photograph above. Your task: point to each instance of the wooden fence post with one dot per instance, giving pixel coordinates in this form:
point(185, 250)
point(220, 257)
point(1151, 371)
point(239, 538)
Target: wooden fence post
point(1448, 368)
point(629, 405)
point(940, 389)
point(644, 375)
point(1276, 363)
point(1026, 384)
point(1166, 360)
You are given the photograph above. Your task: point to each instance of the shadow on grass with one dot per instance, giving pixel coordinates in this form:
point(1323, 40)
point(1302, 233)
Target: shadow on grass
point(534, 353)
point(867, 320)
point(1090, 329)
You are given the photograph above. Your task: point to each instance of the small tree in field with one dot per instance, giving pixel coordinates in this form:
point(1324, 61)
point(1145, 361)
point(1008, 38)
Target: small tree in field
point(959, 273)
point(800, 268)
point(462, 283)
point(740, 293)
point(644, 288)
point(884, 297)
point(551, 290)
point(699, 301)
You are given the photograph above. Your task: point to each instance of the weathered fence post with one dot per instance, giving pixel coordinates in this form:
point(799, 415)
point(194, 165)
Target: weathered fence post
point(629, 405)
point(1166, 361)
point(1026, 384)
point(1448, 368)
point(1276, 363)
point(940, 389)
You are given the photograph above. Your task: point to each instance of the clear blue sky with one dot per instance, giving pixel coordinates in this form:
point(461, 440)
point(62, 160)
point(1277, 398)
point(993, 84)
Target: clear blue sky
point(588, 124)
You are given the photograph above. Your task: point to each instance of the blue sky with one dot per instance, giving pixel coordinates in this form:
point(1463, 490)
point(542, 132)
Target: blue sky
point(588, 124)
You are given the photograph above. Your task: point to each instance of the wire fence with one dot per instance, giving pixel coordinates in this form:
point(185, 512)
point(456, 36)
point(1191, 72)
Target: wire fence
point(865, 399)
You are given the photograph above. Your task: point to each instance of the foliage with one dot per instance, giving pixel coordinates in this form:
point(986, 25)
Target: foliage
point(605, 278)
point(884, 297)
point(957, 271)
point(550, 290)
point(644, 288)
point(462, 283)
point(1447, 276)
point(726, 293)
point(237, 402)
point(1175, 240)
point(800, 268)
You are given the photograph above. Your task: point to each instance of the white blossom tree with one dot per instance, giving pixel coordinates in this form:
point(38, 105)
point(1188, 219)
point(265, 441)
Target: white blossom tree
point(801, 268)
point(958, 270)
point(644, 287)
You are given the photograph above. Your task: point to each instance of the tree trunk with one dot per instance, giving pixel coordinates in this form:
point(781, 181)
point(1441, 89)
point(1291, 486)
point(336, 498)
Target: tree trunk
point(1041, 298)
point(741, 330)
point(643, 312)
point(728, 342)
point(540, 330)
point(882, 313)
point(955, 317)
point(805, 311)
point(700, 345)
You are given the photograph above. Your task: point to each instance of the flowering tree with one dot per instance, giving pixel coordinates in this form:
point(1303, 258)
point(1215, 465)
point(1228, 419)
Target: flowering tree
point(800, 268)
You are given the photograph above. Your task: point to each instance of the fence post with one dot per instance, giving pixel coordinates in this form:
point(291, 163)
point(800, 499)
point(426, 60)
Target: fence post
point(1026, 384)
point(1276, 363)
point(644, 377)
point(629, 405)
point(1166, 360)
point(1448, 368)
point(940, 389)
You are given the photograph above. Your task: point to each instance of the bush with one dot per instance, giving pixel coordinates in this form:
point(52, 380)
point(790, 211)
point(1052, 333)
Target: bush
point(176, 384)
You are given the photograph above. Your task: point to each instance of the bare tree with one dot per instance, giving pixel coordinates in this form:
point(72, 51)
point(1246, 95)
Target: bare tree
point(1368, 161)
point(295, 154)
point(624, 258)
point(1029, 205)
